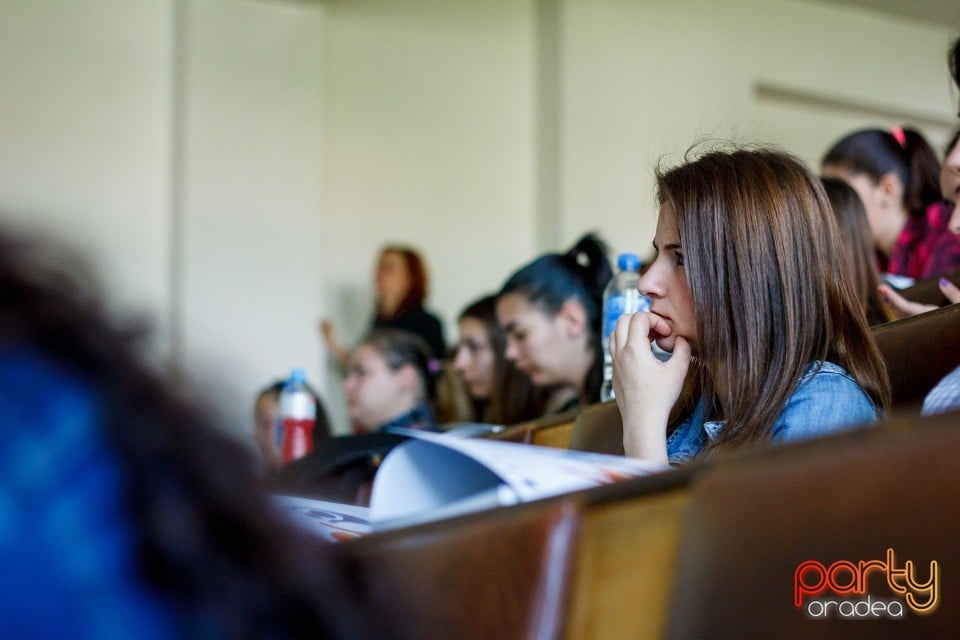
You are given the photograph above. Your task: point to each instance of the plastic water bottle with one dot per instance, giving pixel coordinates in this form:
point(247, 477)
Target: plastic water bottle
point(621, 296)
point(298, 415)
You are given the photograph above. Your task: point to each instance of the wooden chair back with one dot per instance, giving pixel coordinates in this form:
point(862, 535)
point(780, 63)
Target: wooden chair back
point(753, 521)
point(500, 574)
point(551, 430)
point(918, 352)
point(599, 429)
point(928, 291)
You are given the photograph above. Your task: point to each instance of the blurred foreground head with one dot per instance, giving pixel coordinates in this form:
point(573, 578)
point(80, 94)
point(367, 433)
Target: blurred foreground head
point(125, 510)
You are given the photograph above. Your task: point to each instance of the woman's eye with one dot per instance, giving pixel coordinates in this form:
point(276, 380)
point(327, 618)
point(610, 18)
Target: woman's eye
point(679, 259)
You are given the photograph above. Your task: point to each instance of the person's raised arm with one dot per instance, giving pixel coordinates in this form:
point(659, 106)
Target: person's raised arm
point(339, 353)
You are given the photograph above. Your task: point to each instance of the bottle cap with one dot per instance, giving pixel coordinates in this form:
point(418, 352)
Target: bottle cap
point(297, 376)
point(628, 262)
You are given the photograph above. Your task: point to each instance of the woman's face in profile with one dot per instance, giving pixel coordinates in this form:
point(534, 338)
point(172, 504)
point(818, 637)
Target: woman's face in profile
point(665, 282)
point(375, 393)
point(536, 343)
point(392, 279)
point(950, 185)
point(475, 360)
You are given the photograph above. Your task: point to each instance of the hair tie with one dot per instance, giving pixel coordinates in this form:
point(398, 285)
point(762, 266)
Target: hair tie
point(899, 135)
point(433, 366)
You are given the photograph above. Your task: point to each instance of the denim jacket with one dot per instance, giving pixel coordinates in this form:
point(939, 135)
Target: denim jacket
point(826, 400)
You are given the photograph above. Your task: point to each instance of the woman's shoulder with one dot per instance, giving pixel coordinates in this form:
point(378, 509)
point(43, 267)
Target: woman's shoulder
point(827, 399)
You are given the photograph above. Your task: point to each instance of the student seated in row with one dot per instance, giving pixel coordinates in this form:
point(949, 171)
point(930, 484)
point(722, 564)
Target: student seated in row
point(950, 188)
point(750, 294)
point(897, 175)
point(551, 311)
point(391, 382)
point(499, 392)
point(266, 433)
point(855, 233)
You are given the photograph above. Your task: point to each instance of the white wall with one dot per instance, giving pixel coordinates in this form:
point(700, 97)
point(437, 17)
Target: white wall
point(233, 165)
point(252, 249)
point(646, 80)
point(430, 114)
point(84, 135)
point(182, 151)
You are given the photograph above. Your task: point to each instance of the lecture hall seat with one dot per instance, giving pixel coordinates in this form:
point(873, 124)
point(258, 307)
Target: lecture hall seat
point(753, 520)
point(918, 352)
point(499, 574)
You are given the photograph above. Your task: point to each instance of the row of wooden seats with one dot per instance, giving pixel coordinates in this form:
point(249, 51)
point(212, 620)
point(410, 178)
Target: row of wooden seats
point(918, 352)
point(611, 562)
point(705, 551)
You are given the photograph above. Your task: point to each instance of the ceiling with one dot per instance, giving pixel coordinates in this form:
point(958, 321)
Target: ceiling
point(945, 13)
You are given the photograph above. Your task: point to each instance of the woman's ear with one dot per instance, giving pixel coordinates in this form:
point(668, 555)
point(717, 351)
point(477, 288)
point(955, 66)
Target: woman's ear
point(410, 380)
point(573, 317)
point(891, 188)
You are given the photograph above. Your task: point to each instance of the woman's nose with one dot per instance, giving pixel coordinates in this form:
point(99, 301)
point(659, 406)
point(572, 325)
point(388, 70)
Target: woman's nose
point(460, 360)
point(650, 282)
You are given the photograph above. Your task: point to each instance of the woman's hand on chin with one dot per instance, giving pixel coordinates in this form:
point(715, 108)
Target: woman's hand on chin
point(646, 388)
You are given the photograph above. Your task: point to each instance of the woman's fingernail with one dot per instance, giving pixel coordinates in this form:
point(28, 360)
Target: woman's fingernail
point(944, 282)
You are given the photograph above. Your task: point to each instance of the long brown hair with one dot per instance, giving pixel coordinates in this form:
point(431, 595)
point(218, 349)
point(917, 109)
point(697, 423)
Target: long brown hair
point(513, 398)
point(855, 232)
point(765, 269)
point(419, 281)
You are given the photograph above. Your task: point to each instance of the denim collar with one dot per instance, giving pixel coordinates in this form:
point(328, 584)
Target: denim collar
point(420, 417)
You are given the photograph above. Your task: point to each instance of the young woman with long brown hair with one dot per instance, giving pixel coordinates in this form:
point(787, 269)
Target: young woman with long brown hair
point(855, 233)
point(499, 392)
point(750, 294)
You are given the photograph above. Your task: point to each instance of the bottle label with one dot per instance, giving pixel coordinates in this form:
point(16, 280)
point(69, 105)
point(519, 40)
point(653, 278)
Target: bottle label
point(620, 304)
point(297, 439)
point(297, 404)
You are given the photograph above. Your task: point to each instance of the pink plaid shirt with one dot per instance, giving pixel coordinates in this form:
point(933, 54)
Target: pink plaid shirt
point(926, 248)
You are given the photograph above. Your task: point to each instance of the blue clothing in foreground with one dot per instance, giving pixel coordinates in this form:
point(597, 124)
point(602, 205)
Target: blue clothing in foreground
point(67, 544)
point(827, 400)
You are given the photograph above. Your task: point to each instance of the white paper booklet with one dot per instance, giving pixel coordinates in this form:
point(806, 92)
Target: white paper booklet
point(434, 476)
point(331, 521)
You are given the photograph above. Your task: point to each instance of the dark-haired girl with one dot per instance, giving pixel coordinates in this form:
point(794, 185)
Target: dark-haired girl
point(897, 175)
point(551, 310)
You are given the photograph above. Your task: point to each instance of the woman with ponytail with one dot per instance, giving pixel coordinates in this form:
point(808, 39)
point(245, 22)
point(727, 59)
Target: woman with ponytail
point(550, 311)
point(897, 175)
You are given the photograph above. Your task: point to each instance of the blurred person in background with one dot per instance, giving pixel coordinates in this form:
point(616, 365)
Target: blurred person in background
point(401, 284)
point(391, 382)
point(855, 233)
point(266, 431)
point(897, 176)
point(950, 188)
